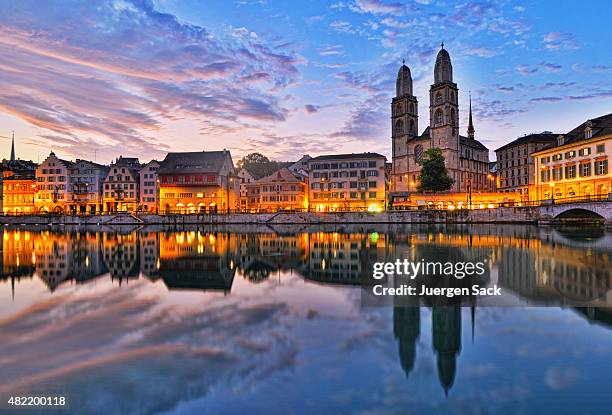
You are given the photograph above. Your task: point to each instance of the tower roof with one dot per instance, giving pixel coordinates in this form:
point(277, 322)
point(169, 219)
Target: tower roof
point(403, 85)
point(470, 128)
point(443, 70)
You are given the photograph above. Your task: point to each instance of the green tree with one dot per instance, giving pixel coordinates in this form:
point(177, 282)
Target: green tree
point(258, 164)
point(434, 176)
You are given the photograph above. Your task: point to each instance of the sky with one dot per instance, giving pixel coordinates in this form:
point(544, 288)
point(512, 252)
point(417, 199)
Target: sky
point(99, 79)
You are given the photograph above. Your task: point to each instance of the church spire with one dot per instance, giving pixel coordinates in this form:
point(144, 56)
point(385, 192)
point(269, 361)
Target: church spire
point(470, 128)
point(13, 147)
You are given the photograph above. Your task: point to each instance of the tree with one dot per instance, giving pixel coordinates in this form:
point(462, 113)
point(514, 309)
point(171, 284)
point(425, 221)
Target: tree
point(258, 164)
point(434, 176)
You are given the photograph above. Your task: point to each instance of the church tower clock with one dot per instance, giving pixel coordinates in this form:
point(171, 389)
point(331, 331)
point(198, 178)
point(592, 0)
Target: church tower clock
point(404, 127)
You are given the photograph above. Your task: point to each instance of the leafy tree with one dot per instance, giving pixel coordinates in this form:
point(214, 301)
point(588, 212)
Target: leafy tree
point(258, 164)
point(434, 176)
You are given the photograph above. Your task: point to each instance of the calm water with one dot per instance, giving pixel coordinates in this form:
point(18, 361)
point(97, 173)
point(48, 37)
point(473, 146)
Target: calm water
point(270, 320)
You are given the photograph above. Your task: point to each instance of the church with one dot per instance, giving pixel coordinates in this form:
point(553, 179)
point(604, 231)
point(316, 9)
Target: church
point(466, 159)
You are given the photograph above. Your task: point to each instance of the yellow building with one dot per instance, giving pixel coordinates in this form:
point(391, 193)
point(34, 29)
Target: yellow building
point(198, 182)
point(18, 192)
point(282, 190)
point(577, 165)
point(347, 182)
point(122, 186)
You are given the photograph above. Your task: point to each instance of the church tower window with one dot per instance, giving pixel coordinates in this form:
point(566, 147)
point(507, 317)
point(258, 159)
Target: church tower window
point(439, 117)
point(399, 127)
point(438, 98)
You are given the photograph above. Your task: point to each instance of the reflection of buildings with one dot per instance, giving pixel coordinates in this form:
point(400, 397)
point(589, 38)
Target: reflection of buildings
point(550, 272)
point(343, 258)
point(18, 257)
point(264, 254)
point(446, 339)
point(149, 254)
point(196, 260)
point(407, 328)
point(52, 258)
point(121, 255)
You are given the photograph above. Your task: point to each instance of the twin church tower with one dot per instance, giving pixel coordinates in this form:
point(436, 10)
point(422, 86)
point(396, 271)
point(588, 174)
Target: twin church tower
point(466, 159)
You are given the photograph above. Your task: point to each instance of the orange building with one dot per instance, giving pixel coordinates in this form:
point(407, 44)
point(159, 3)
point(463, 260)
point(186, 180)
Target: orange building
point(198, 182)
point(282, 190)
point(18, 192)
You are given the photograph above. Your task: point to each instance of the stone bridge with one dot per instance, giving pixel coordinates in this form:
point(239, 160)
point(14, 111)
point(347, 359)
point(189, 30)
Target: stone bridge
point(597, 210)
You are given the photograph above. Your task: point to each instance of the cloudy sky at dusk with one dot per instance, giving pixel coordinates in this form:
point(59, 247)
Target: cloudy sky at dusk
point(95, 79)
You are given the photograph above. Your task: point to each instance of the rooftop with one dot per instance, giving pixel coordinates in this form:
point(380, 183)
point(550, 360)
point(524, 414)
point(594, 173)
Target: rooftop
point(194, 162)
point(346, 156)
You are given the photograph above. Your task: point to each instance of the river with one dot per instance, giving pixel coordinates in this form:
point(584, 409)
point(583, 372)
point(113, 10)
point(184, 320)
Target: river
point(271, 320)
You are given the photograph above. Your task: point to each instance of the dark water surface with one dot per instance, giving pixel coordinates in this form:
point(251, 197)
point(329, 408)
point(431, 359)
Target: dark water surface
point(270, 321)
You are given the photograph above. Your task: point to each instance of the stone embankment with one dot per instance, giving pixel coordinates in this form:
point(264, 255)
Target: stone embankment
point(500, 215)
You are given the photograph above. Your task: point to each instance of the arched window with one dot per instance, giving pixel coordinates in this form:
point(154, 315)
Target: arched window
point(439, 117)
point(452, 96)
point(398, 109)
point(399, 127)
point(411, 108)
point(439, 98)
point(418, 154)
point(412, 128)
point(452, 116)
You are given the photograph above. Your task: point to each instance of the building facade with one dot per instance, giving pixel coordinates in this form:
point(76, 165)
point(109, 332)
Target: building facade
point(245, 178)
point(53, 185)
point(198, 182)
point(282, 190)
point(122, 186)
point(18, 192)
point(577, 164)
point(466, 158)
point(86, 184)
point(347, 182)
point(149, 187)
point(516, 166)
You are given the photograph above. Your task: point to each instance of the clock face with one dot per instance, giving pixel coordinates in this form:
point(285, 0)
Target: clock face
point(418, 154)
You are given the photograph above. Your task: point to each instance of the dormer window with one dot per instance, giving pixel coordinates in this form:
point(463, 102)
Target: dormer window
point(560, 140)
point(588, 130)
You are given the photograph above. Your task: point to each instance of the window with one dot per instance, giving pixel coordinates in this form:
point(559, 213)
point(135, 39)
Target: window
point(584, 151)
point(438, 119)
point(557, 173)
point(585, 169)
point(601, 148)
point(557, 157)
point(570, 172)
point(372, 195)
point(601, 167)
point(399, 127)
point(570, 154)
point(438, 98)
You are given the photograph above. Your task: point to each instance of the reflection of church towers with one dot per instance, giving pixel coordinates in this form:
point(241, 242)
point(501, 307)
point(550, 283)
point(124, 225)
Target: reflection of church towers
point(446, 339)
point(407, 328)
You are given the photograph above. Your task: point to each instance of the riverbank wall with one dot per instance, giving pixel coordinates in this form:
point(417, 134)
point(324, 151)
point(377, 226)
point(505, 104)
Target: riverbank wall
point(525, 215)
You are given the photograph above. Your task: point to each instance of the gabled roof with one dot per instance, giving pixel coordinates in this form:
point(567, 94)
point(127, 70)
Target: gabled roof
point(346, 156)
point(194, 162)
point(472, 143)
point(283, 174)
point(544, 137)
point(96, 165)
point(600, 126)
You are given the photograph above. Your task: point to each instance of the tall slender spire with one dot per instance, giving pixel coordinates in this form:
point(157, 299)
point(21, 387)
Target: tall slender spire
point(470, 128)
point(13, 147)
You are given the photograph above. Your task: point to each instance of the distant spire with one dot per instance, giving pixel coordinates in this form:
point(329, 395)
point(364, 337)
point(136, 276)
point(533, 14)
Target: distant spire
point(13, 147)
point(442, 45)
point(403, 61)
point(470, 129)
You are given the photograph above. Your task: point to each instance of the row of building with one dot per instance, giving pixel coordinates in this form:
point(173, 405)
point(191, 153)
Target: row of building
point(531, 168)
point(192, 182)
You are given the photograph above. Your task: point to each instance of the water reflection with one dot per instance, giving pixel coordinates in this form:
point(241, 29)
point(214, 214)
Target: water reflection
point(543, 266)
point(119, 322)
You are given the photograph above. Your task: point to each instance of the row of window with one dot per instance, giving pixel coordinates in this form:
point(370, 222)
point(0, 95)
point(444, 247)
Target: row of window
point(169, 195)
point(599, 168)
point(342, 185)
point(568, 155)
point(344, 165)
point(119, 186)
point(188, 179)
point(342, 195)
point(345, 174)
point(116, 194)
